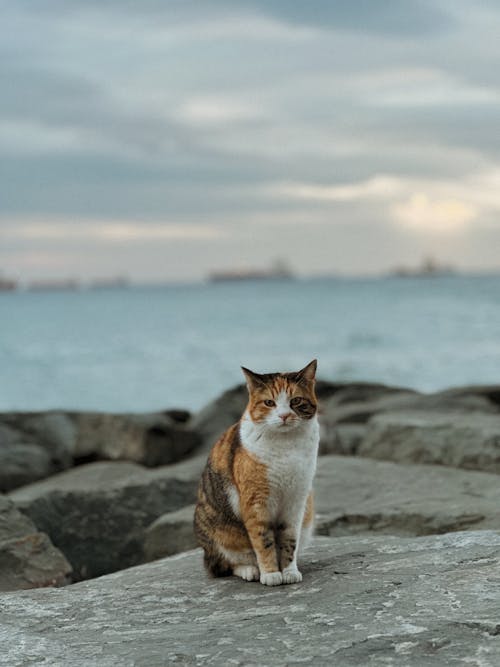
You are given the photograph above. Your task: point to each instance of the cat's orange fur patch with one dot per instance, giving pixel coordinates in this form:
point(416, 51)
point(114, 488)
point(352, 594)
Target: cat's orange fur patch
point(309, 513)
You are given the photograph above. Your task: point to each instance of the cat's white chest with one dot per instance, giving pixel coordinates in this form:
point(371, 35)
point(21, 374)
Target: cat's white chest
point(290, 460)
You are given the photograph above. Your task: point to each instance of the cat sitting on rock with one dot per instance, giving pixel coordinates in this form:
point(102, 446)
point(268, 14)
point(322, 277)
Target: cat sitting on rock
point(255, 502)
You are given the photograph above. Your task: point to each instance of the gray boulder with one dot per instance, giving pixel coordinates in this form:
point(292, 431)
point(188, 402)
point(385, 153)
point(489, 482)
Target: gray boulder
point(489, 392)
point(343, 439)
point(212, 420)
point(27, 557)
point(363, 601)
point(344, 424)
point(356, 495)
point(33, 446)
point(96, 514)
point(345, 393)
point(151, 439)
point(448, 438)
point(170, 534)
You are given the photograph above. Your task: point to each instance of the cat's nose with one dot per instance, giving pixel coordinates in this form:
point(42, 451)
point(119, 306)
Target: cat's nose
point(285, 416)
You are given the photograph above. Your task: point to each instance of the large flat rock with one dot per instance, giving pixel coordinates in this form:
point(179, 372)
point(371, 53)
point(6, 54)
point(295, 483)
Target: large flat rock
point(363, 601)
point(469, 441)
point(345, 416)
point(97, 513)
point(356, 495)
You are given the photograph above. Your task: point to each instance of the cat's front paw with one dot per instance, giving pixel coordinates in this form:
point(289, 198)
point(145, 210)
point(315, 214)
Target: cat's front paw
point(291, 575)
point(271, 578)
point(247, 572)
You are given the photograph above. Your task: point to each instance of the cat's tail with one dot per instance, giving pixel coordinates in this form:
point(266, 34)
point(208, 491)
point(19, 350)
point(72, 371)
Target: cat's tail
point(217, 565)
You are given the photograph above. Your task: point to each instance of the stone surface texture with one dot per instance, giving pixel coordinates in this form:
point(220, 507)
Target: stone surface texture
point(27, 557)
point(345, 423)
point(355, 495)
point(152, 439)
point(36, 445)
point(170, 534)
point(33, 446)
point(97, 513)
point(383, 600)
point(469, 441)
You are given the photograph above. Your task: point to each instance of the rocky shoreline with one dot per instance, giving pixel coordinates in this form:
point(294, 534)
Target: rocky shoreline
point(87, 494)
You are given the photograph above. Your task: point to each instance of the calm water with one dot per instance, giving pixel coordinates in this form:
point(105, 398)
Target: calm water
point(151, 348)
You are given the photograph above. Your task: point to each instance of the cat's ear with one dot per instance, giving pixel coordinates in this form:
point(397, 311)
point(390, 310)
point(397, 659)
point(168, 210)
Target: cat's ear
point(308, 372)
point(254, 380)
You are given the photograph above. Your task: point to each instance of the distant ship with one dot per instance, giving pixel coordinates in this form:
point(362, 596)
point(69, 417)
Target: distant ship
point(279, 271)
point(120, 282)
point(7, 284)
point(69, 284)
point(428, 268)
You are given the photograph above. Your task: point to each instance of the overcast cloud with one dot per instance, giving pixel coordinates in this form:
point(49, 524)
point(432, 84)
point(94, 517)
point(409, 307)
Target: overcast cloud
point(164, 139)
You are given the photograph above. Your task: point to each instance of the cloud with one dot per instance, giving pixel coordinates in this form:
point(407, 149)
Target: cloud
point(419, 212)
point(107, 232)
point(213, 111)
point(391, 17)
point(424, 205)
point(232, 122)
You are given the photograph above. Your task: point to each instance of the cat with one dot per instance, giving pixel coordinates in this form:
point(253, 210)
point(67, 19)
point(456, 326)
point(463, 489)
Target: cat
point(255, 500)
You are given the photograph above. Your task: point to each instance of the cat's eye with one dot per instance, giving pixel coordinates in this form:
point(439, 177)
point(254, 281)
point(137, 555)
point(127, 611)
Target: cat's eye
point(269, 403)
point(296, 400)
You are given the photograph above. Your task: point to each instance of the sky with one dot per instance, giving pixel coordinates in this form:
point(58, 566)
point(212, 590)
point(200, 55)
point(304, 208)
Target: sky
point(165, 139)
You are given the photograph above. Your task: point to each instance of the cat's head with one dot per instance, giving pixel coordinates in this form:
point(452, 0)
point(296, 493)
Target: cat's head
point(282, 400)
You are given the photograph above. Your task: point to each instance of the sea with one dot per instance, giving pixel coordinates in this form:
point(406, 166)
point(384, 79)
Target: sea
point(149, 348)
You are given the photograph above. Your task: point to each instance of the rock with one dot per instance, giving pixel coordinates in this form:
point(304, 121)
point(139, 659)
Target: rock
point(170, 534)
point(341, 393)
point(179, 415)
point(22, 463)
point(489, 392)
point(36, 445)
point(52, 429)
point(151, 439)
point(356, 495)
point(33, 446)
point(469, 441)
point(27, 558)
point(97, 513)
point(343, 439)
point(375, 600)
point(343, 424)
point(218, 415)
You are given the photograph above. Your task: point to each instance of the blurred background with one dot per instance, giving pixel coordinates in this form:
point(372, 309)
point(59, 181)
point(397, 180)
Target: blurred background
point(186, 187)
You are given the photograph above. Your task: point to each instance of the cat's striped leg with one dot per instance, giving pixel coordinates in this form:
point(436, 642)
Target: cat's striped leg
point(261, 533)
point(287, 535)
point(289, 531)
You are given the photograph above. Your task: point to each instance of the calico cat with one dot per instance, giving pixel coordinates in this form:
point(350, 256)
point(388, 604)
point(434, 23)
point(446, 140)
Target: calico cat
point(255, 500)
